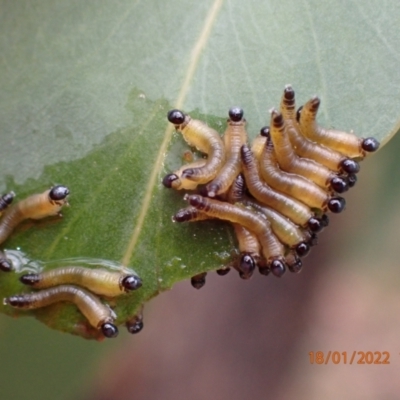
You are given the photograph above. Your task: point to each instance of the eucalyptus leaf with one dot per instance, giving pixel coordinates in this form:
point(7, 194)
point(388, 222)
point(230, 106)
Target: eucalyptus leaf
point(85, 89)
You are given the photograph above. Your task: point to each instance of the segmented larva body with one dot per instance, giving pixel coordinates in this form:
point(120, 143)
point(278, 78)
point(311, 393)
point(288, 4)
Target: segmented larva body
point(292, 184)
point(272, 248)
point(306, 148)
point(36, 206)
point(343, 142)
point(289, 161)
point(99, 281)
point(298, 212)
point(235, 136)
point(98, 314)
point(205, 139)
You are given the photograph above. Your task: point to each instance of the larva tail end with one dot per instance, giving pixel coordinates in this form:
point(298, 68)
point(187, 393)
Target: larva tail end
point(109, 330)
point(278, 268)
point(5, 265)
point(339, 184)
point(176, 117)
point(350, 166)
point(223, 271)
point(58, 192)
point(134, 327)
point(370, 144)
point(302, 249)
point(236, 114)
point(29, 279)
point(131, 282)
point(264, 131)
point(198, 281)
point(337, 204)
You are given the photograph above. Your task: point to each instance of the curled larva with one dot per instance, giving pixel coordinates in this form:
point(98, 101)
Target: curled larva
point(289, 161)
point(292, 184)
point(6, 200)
point(306, 148)
point(177, 181)
point(234, 137)
point(99, 281)
point(205, 139)
point(298, 212)
point(346, 143)
point(36, 206)
point(272, 248)
point(98, 314)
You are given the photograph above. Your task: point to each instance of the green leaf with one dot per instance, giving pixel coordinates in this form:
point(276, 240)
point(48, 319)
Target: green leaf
point(85, 88)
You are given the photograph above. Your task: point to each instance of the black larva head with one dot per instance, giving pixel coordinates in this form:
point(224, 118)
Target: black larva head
point(265, 131)
point(134, 327)
point(339, 184)
point(278, 268)
point(351, 180)
point(370, 144)
point(235, 114)
point(58, 192)
point(223, 271)
point(29, 279)
point(337, 204)
point(196, 201)
point(198, 281)
point(296, 267)
point(277, 119)
point(315, 225)
point(247, 265)
point(298, 113)
point(264, 270)
point(302, 249)
point(131, 282)
point(5, 265)
point(8, 198)
point(168, 179)
point(324, 220)
point(109, 330)
point(350, 166)
point(176, 117)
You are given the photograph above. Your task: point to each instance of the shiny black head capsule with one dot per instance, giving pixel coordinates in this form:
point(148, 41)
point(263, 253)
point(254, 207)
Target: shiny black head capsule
point(302, 249)
point(223, 271)
point(246, 266)
point(131, 282)
point(109, 330)
point(339, 184)
point(236, 114)
point(265, 131)
point(315, 225)
point(278, 268)
point(370, 144)
point(198, 281)
point(168, 179)
point(134, 327)
point(5, 265)
point(176, 117)
point(288, 93)
point(58, 192)
point(337, 204)
point(324, 220)
point(29, 279)
point(350, 166)
point(351, 180)
point(296, 267)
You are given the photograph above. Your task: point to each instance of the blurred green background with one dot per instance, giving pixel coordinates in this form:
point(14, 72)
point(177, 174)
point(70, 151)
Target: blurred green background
point(78, 80)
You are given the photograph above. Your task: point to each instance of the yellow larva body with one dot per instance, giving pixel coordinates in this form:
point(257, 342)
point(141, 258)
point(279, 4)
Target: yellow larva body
point(298, 212)
point(205, 139)
point(99, 281)
point(36, 206)
point(89, 305)
point(189, 214)
point(291, 184)
point(343, 142)
point(271, 246)
point(235, 136)
point(247, 241)
point(289, 161)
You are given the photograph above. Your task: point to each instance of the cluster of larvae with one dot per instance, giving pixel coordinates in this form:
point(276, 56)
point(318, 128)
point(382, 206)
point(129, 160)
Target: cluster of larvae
point(276, 193)
point(78, 285)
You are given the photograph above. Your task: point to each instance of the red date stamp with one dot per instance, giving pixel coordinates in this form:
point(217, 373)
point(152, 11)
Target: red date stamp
point(354, 357)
